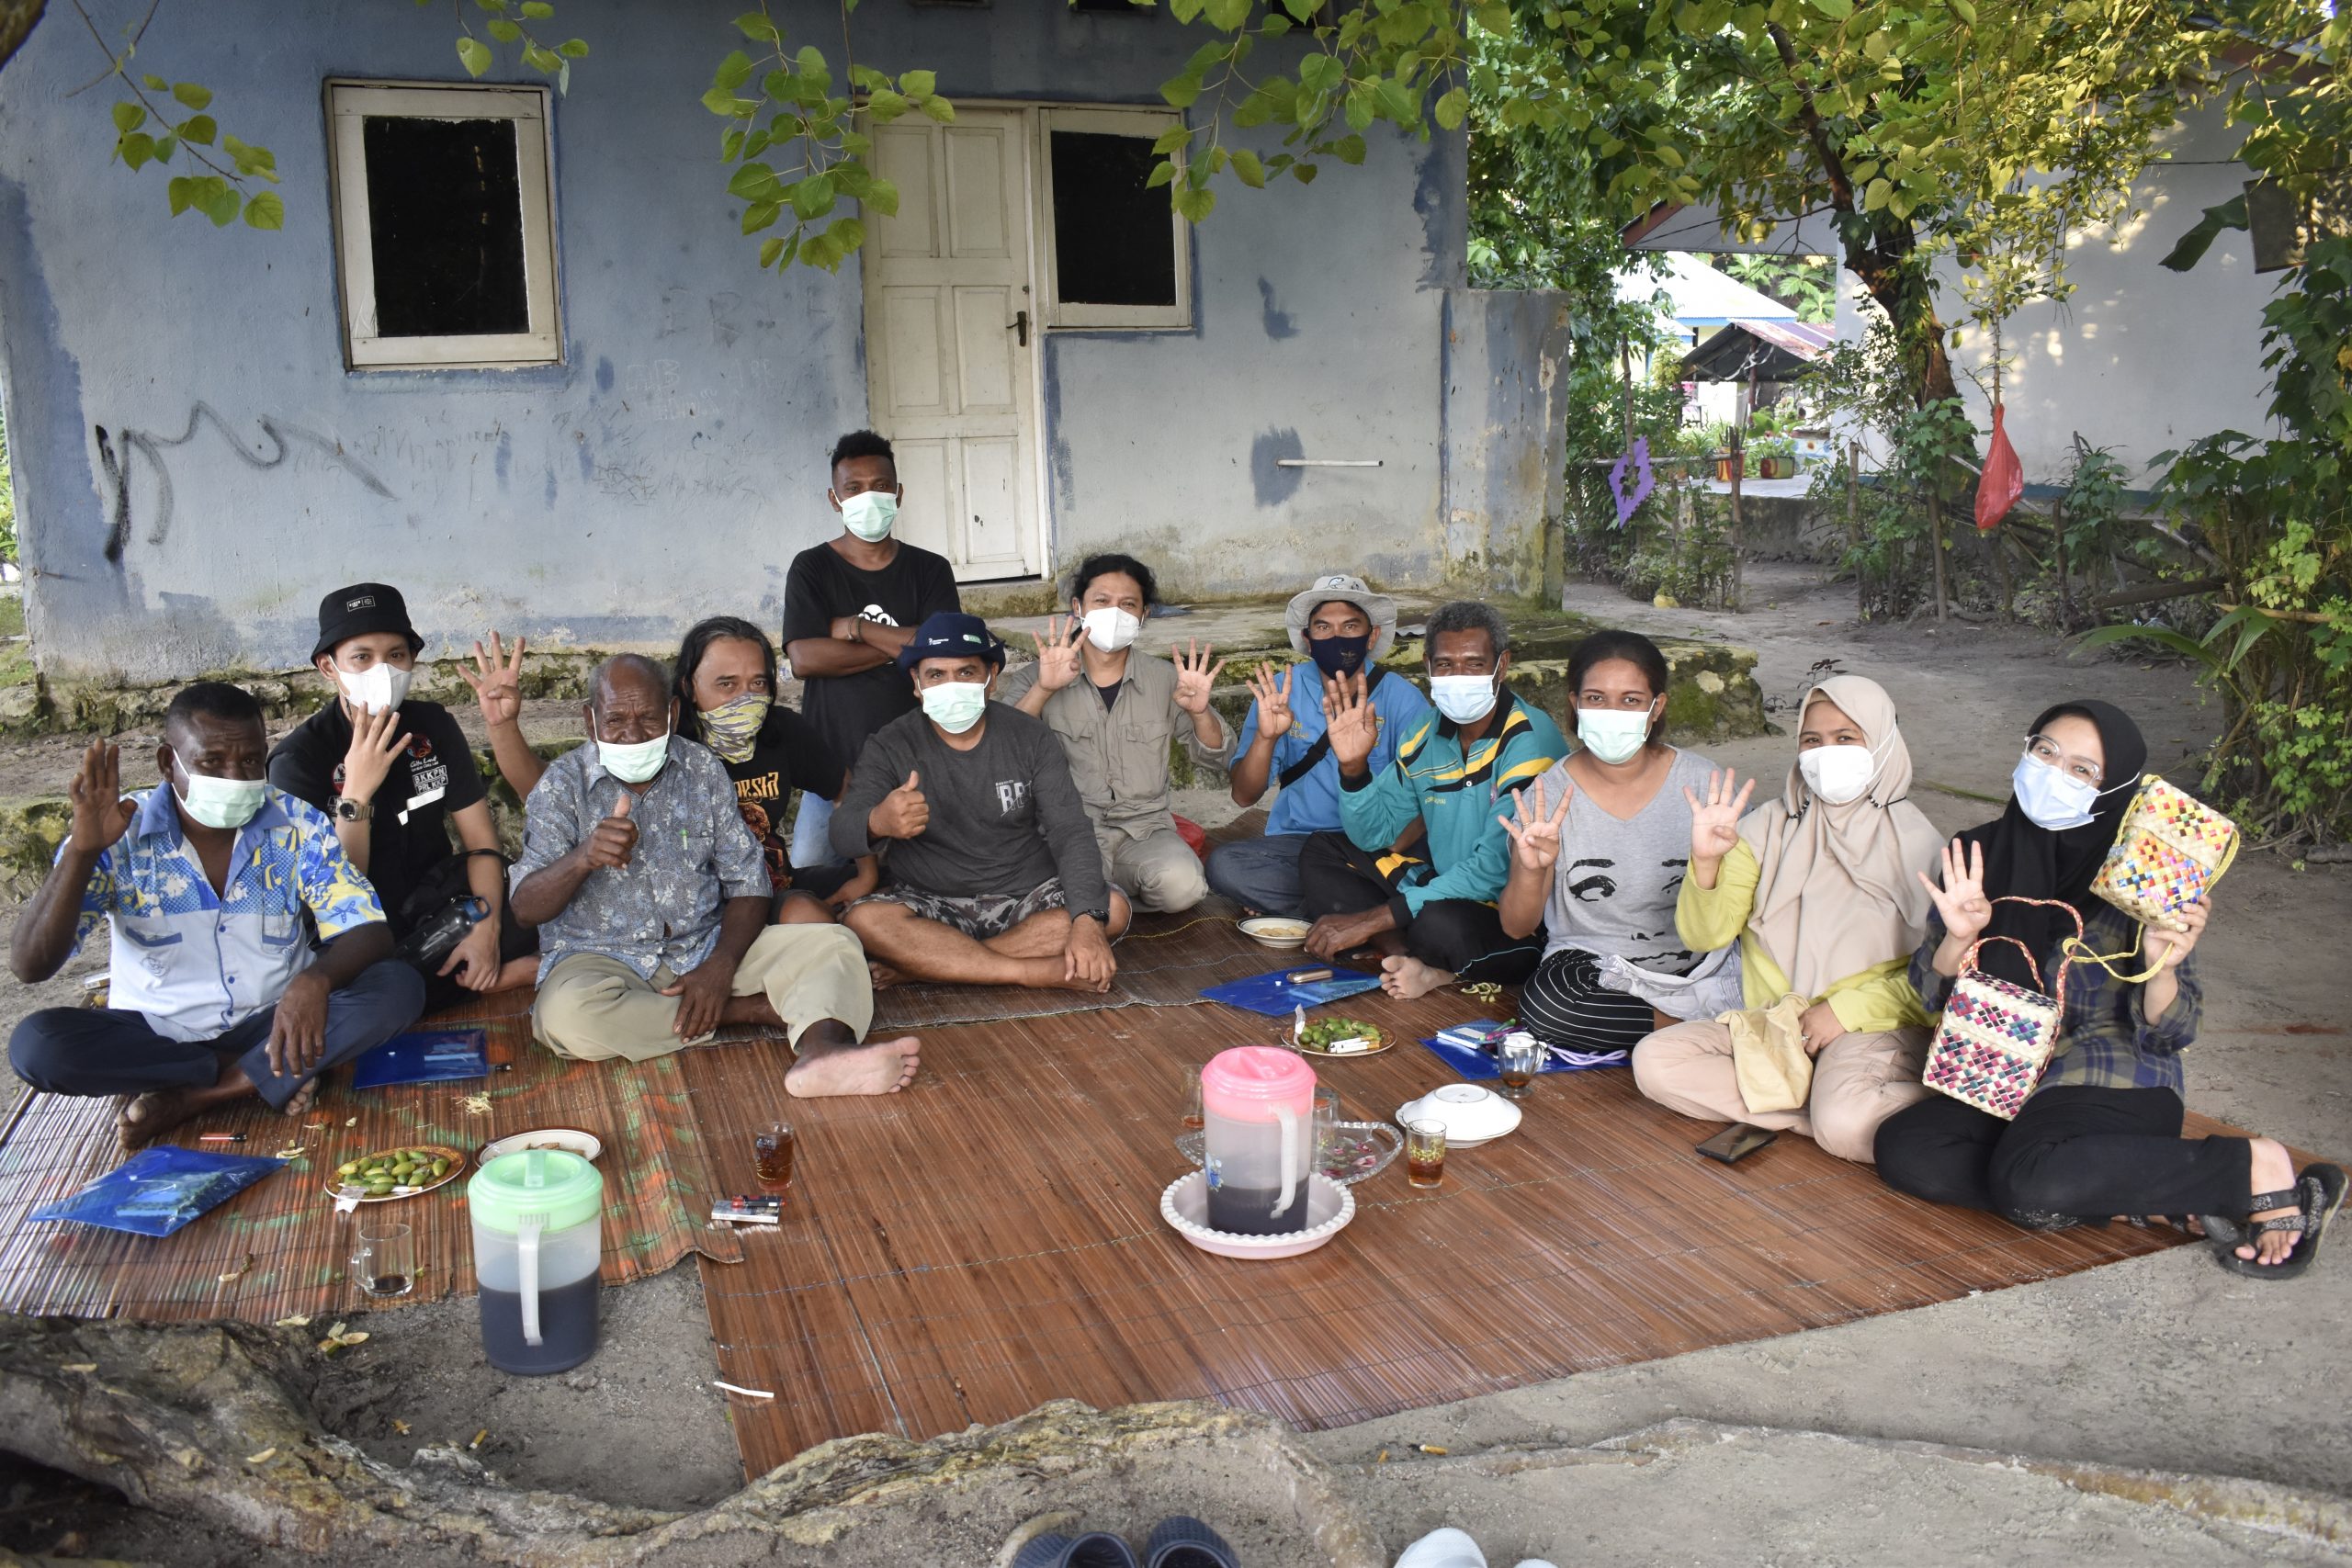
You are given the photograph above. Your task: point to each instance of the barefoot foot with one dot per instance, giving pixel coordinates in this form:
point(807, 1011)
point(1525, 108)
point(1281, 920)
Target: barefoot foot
point(154, 1113)
point(881, 975)
point(1405, 978)
point(878, 1066)
point(304, 1098)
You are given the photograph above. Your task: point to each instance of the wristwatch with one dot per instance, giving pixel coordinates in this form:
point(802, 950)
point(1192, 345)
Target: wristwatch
point(349, 810)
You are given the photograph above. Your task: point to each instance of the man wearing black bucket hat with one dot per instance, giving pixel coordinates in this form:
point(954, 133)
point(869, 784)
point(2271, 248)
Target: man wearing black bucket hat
point(394, 771)
point(990, 873)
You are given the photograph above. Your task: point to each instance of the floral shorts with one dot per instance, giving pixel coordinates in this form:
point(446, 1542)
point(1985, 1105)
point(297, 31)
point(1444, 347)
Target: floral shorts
point(981, 918)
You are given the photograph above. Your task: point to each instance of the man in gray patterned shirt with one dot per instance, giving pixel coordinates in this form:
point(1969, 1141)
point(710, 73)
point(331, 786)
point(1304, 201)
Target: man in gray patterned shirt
point(652, 901)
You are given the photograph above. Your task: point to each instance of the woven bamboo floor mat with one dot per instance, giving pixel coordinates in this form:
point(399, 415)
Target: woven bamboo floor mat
point(991, 1238)
point(279, 1248)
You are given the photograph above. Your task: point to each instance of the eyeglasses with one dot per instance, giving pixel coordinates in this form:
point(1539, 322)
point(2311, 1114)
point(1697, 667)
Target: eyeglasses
point(2043, 750)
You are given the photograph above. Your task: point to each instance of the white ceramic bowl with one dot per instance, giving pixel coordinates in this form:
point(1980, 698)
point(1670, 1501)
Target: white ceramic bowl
point(1471, 1114)
point(1274, 931)
point(587, 1145)
point(1185, 1205)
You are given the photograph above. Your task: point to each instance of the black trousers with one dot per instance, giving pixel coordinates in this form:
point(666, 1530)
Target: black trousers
point(444, 884)
point(1460, 935)
point(2076, 1155)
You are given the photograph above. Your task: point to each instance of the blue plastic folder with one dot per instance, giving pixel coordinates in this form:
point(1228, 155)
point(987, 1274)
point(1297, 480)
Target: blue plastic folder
point(157, 1190)
point(1472, 1063)
point(1277, 996)
point(424, 1055)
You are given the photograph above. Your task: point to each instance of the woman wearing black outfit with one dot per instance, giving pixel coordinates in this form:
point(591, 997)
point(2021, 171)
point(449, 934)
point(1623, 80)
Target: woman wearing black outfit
point(2100, 1136)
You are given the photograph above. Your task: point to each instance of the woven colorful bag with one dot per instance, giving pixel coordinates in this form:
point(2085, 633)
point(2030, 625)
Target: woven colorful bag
point(2170, 850)
point(1995, 1037)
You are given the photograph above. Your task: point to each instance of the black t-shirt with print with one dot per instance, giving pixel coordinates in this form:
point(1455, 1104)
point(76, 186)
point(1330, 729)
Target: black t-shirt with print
point(409, 834)
point(787, 754)
point(847, 709)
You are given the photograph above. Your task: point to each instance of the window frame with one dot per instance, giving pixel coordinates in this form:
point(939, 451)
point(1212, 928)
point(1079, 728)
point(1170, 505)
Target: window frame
point(349, 101)
point(1146, 125)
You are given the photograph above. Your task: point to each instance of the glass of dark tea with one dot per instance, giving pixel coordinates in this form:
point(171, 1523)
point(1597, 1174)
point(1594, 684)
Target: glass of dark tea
point(772, 1155)
point(1425, 1152)
point(383, 1257)
point(1191, 1120)
point(1520, 1058)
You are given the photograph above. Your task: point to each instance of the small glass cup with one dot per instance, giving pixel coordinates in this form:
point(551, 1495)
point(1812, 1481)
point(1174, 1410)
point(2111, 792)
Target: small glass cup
point(383, 1257)
point(1327, 1127)
point(772, 1156)
point(1425, 1152)
point(1191, 1119)
point(1521, 1057)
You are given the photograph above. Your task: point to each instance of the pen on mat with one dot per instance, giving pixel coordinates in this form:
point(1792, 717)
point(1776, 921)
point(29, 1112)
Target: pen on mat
point(220, 1138)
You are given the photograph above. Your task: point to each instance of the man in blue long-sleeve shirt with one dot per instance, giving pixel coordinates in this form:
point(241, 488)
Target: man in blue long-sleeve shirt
point(1433, 921)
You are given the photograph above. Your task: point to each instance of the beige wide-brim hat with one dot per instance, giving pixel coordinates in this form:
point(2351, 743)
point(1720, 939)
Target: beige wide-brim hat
point(1380, 608)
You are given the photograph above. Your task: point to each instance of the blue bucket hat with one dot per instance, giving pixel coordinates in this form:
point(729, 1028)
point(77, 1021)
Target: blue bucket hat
point(950, 634)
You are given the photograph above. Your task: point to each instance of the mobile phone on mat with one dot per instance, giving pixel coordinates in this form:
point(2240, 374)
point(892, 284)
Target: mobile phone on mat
point(1737, 1142)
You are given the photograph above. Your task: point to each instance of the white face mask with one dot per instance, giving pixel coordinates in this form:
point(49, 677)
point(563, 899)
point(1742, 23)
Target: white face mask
point(1464, 699)
point(2050, 798)
point(1613, 735)
point(869, 514)
point(218, 802)
point(378, 687)
point(956, 706)
point(633, 762)
point(1111, 629)
point(1837, 774)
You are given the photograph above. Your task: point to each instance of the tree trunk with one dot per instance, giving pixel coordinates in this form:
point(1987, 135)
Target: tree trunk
point(1909, 302)
point(18, 19)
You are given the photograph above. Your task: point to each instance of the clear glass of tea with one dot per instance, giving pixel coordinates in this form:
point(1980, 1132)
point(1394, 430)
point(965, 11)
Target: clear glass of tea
point(1425, 1152)
point(383, 1257)
point(1192, 1120)
point(772, 1155)
point(1520, 1058)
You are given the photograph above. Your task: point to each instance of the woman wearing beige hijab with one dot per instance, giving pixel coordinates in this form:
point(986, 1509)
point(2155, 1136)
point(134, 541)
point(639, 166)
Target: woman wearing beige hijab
point(1822, 888)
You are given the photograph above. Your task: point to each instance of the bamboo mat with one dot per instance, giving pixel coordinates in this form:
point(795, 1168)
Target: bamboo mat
point(279, 1249)
point(989, 1239)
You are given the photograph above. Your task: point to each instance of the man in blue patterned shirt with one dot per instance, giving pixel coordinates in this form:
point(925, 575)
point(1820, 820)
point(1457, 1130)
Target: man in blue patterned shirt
point(213, 884)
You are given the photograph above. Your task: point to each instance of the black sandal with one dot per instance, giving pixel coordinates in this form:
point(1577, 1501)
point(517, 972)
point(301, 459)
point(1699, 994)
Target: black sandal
point(2316, 1196)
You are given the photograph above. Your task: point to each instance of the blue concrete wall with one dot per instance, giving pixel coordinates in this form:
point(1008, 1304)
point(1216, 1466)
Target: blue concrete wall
point(1506, 423)
point(674, 462)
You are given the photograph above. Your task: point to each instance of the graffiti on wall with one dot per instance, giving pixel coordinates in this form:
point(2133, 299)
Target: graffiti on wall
point(121, 455)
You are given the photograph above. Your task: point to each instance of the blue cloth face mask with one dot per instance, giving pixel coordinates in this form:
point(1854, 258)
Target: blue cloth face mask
point(1338, 655)
point(1464, 699)
point(633, 762)
point(1613, 735)
point(218, 802)
point(955, 706)
point(2050, 798)
point(869, 514)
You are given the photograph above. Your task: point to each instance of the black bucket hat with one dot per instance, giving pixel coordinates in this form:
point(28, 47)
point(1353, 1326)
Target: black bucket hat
point(362, 608)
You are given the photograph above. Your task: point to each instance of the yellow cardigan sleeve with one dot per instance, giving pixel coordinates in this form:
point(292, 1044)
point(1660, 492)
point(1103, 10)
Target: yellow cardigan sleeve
point(1713, 918)
point(1877, 999)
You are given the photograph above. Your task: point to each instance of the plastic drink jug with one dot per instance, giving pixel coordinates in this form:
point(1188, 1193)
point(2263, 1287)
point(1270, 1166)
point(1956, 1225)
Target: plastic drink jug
point(537, 1239)
point(1258, 1109)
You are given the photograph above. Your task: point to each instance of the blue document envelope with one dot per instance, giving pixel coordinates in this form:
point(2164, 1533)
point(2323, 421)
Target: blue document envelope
point(424, 1055)
point(1274, 995)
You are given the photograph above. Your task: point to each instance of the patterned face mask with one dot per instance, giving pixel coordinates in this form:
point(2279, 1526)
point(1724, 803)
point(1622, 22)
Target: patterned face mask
point(732, 727)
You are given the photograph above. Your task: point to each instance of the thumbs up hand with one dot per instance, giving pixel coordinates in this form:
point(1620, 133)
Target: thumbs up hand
point(903, 813)
point(615, 838)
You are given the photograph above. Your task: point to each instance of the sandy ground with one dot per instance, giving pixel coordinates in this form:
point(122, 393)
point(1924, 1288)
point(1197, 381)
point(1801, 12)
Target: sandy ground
point(2165, 1362)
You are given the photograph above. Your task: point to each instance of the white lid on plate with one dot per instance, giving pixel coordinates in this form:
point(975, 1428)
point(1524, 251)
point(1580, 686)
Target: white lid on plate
point(1471, 1113)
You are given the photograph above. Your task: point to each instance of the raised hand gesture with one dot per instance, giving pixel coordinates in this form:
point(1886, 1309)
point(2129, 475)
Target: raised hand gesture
point(1961, 899)
point(101, 816)
point(903, 813)
point(1273, 697)
point(614, 839)
point(497, 680)
point(1195, 678)
point(1714, 821)
point(1349, 719)
point(375, 741)
point(1057, 653)
point(1536, 835)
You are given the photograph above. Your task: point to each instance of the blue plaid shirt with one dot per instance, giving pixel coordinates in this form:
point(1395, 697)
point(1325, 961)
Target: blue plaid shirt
point(2104, 1040)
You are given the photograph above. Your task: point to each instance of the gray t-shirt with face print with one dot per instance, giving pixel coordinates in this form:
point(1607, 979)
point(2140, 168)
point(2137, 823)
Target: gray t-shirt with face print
point(1614, 889)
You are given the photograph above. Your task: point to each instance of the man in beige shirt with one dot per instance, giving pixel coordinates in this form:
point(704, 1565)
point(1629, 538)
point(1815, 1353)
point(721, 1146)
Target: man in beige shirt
point(1115, 724)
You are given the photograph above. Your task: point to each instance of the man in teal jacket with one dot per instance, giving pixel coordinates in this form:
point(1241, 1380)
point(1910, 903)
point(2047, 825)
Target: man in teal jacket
point(1433, 921)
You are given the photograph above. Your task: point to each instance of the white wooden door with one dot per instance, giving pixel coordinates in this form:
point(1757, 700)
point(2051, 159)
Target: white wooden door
point(948, 373)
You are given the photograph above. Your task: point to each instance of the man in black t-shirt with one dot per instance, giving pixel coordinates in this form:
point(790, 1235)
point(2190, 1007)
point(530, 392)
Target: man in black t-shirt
point(850, 605)
point(394, 772)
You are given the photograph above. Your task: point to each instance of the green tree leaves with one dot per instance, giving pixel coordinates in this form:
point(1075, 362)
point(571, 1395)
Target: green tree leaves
point(510, 22)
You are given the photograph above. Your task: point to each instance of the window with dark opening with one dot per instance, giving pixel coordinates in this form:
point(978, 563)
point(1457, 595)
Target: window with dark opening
point(446, 220)
point(1117, 253)
point(444, 233)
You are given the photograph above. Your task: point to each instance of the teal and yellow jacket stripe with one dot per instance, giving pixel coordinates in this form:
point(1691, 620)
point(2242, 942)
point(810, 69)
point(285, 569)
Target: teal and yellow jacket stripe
point(1458, 794)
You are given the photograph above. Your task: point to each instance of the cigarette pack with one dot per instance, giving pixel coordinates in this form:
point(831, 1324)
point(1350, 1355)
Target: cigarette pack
point(741, 1210)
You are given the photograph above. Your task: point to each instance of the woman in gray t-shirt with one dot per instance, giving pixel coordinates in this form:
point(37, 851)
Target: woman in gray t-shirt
point(1598, 849)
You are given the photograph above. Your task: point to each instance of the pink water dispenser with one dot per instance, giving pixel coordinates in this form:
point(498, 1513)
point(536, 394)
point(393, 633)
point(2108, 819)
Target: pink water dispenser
point(1259, 1106)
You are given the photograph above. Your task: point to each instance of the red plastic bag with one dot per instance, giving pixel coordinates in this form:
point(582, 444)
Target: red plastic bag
point(2003, 481)
point(1190, 831)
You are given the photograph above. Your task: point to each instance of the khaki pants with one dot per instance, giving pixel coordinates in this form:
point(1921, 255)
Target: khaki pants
point(1159, 871)
point(592, 1008)
point(1859, 1081)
